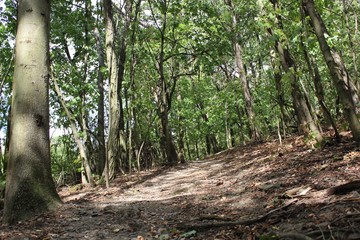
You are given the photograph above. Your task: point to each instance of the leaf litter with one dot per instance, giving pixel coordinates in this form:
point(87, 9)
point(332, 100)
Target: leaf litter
point(258, 191)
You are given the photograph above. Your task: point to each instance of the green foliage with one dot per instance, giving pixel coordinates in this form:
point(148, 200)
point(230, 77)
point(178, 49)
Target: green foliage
point(198, 56)
point(64, 159)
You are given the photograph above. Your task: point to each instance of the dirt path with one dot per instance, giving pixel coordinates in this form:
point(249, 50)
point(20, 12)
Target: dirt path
point(266, 187)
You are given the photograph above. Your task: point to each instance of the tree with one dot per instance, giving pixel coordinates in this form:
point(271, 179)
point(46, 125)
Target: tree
point(341, 79)
point(306, 123)
point(29, 186)
point(238, 52)
point(70, 53)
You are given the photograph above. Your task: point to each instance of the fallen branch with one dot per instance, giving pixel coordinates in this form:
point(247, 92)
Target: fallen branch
point(233, 223)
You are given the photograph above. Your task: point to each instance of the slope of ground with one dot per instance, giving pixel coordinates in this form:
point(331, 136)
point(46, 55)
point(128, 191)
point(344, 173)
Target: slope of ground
point(248, 192)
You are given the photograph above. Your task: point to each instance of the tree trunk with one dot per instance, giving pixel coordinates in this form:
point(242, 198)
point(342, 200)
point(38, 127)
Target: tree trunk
point(210, 139)
point(319, 90)
point(29, 185)
point(337, 70)
point(228, 132)
point(249, 105)
point(280, 95)
point(306, 123)
point(352, 46)
point(113, 143)
point(79, 142)
point(166, 140)
point(181, 129)
point(101, 107)
point(164, 96)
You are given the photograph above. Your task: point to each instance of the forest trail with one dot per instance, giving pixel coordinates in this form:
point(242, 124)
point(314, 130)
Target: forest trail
point(242, 193)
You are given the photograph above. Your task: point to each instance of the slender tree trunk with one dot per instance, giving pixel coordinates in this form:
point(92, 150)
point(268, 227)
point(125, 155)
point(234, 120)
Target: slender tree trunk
point(249, 105)
point(30, 188)
point(188, 146)
point(79, 142)
point(101, 107)
point(164, 97)
point(280, 95)
point(319, 90)
point(83, 112)
point(337, 70)
point(181, 129)
point(113, 143)
point(240, 113)
point(306, 123)
point(228, 132)
point(210, 138)
point(122, 61)
point(352, 46)
point(166, 140)
point(133, 139)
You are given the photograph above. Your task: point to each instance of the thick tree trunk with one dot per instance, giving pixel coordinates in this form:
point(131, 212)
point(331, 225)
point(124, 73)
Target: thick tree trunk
point(338, 72)
point(29, 185)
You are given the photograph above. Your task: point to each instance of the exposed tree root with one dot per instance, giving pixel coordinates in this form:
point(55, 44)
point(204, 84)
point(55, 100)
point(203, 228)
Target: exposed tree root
point(294, 236)
point(205, 226)
point(345, 188)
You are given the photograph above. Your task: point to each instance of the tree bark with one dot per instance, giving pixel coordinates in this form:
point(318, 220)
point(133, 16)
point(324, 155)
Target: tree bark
point(101, 106)
point(319, 90)
point(249, 104)
point(352, 45)
point(113, 143)
point(30, 188)
point(280, 95)
point(79, 142)
point(338, 72)
point(306, 123)
point(165, 93)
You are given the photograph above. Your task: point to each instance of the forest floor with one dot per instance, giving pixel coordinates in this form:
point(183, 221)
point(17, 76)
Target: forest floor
point(249, 192)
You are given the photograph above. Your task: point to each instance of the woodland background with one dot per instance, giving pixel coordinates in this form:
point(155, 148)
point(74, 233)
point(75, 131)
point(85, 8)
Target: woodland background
point(137, 84)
